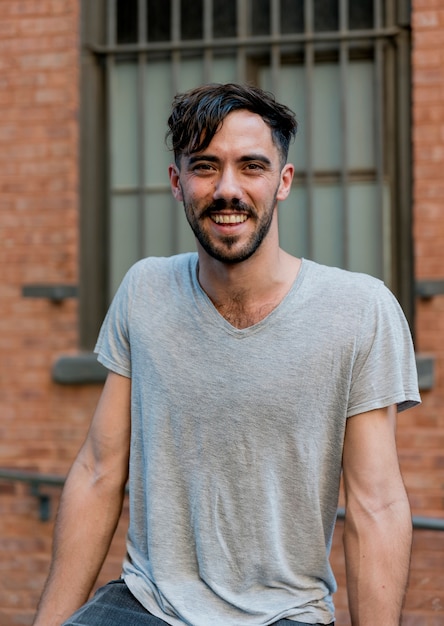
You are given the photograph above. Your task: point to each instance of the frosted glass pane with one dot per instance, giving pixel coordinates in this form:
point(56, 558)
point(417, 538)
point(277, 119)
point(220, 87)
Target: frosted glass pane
point(366, 251)
point(387, 235)
point(123, 238)
point(326, 113)
point(293, 223)
point(264, 78)
point(157, 107)
point(190, 74)
point(158, 225)
point(223, 70)
point(368, 227)
point(124, 131)
point(326, 117)
point(360, 115)
point(327, 225)
point(292, 94)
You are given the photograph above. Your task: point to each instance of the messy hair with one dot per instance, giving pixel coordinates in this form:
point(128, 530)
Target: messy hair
point(197, 115)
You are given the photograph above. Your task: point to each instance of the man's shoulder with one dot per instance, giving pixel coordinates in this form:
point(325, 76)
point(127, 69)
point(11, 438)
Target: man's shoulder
point(164, 262)
point(162, 266)
point(334, 287)
point(338, 279)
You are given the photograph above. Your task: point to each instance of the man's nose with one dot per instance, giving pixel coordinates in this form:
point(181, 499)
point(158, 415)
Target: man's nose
point(227, 186)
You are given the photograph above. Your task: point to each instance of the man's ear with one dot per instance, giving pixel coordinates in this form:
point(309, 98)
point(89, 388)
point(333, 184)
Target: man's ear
point(287, 174)
point(176, 189)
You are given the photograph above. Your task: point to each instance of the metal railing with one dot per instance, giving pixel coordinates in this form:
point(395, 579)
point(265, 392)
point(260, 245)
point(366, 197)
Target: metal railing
point(36, 481)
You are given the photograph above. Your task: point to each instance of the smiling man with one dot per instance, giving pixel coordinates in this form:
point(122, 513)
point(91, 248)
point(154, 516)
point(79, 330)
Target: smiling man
point(242, 382)
point(230, 190)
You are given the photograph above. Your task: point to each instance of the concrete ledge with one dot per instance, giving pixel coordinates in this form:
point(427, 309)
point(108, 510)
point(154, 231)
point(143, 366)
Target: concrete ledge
point(427, 289)
point(425, 364)
point(55, 293)
point(79, 369)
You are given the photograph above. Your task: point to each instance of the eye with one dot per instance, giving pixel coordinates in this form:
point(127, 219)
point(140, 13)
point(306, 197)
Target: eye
point(254, 167)
point(202, 168)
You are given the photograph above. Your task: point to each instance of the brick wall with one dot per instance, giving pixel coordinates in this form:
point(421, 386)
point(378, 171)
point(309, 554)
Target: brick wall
point(42, 424)
point(39, 214)
point(422, 436)
point(421, 430)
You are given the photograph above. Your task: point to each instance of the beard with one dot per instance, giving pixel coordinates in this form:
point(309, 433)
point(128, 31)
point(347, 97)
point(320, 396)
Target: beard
point(224, 249)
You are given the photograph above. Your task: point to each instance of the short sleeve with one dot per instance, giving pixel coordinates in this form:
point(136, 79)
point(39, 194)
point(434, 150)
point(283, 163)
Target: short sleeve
point(113, 344)
point(384, 370)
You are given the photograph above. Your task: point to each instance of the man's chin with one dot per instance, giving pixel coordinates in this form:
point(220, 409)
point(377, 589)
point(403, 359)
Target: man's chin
point(232, 257)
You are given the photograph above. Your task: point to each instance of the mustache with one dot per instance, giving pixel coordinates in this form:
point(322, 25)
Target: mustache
point(232, 205)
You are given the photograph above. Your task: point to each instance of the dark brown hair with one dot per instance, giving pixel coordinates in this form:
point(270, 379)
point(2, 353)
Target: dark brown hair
point(197, 115)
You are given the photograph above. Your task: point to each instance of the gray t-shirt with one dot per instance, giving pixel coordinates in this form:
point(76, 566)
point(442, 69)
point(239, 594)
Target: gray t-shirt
point(237, 436)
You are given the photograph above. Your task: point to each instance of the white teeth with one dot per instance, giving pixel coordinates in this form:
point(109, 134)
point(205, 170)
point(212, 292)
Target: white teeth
point(235, 218)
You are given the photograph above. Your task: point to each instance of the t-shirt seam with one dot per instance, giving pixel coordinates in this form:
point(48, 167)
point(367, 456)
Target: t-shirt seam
point(385, 401)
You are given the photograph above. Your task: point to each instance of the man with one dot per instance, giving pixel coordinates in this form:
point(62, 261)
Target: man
point(242, 382)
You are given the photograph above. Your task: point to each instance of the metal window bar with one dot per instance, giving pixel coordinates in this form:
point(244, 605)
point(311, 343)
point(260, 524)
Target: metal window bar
point(175, 62)
point(111, 39)
point(379, 126)
point(141, 106)
point(175, 43)
point(246, 40)
point(208, 38)
point(275, 51)
point(343, 66)
point(242, 35)
point(309, 169)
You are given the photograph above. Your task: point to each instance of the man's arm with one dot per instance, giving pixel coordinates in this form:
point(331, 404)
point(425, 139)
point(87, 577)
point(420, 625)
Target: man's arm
point(90, 506)
point(378, 528)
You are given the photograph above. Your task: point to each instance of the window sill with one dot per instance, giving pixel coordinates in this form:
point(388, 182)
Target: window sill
point(79, 369)
point(425, 364)
point(84, 369)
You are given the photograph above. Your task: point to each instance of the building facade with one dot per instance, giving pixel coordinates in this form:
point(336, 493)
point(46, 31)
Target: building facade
point(84, 93)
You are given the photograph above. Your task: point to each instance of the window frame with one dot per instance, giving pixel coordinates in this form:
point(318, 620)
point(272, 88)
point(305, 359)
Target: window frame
point(94, 168)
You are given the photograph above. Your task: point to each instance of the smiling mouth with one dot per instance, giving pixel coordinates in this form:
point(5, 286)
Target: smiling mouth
point(232, 218)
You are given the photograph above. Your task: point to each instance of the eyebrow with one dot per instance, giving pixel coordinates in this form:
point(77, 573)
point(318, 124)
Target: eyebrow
point(202, 157)
point(255, 157)
point(247, 158)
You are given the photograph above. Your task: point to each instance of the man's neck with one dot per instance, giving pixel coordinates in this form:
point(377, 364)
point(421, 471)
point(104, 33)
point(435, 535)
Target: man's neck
point(245, 293)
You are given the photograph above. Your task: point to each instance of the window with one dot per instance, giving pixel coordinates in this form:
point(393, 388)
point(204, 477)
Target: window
point(342, 65)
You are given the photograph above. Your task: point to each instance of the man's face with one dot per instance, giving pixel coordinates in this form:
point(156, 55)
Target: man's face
point(230, 190)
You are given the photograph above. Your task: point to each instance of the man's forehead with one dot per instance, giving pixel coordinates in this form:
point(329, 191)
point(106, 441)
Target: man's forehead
point(240, 128)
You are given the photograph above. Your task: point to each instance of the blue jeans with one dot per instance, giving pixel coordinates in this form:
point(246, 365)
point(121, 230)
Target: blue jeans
point(114, 605)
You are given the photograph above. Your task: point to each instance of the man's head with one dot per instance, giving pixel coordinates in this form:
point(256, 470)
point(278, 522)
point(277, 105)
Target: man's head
point(197, 115)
